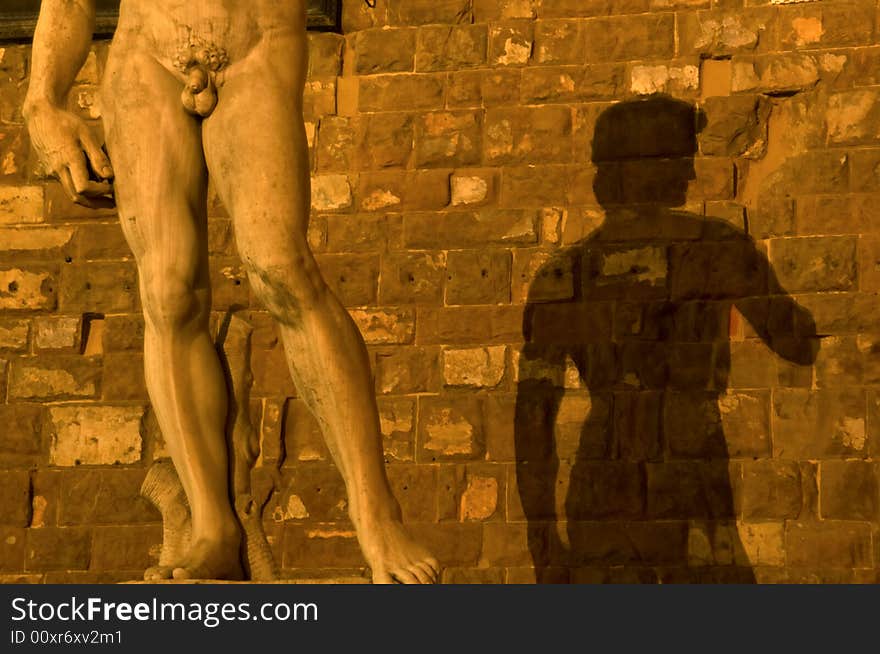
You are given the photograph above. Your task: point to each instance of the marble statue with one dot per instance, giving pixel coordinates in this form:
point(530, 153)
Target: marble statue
point(192, 88)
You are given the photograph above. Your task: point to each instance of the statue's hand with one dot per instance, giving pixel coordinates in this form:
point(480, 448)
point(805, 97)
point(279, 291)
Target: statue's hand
point(67, 149)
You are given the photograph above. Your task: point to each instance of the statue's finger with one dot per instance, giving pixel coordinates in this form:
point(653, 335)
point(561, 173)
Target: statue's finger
point(79, 173)
point(97, 158)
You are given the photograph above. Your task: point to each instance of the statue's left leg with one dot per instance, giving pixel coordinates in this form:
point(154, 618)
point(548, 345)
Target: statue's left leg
point(255, 145)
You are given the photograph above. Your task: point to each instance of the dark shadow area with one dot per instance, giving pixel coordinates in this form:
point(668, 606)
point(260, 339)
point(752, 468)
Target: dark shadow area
point(624, 469)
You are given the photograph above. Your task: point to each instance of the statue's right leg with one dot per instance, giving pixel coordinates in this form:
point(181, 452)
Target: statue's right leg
point(160, 186)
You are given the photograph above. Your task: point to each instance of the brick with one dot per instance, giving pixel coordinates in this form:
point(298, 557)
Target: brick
point(28, 290)
point(815, 263)
point(425, 12)
point(560, 41)
point(486, 10)
point(528, 135)
point(55, 378)
point(719, 33)
point(735, 126)
point(828, 544)
point(36, 243)
point(450, 429)
point(57, 332)
point(98, 287)
point(690, 489)
point(628, 38)
point(819, 424)
point(558, 84)
point(320, 545)
point(123, 378)
point(363, 232)
point(459, 229)
point(12, 549)
point(706, 425)
point(58, 548)
point(386, 141)
point(104, 496)
point(510, 43)
point(848, 490)
point(129, 547)
point(325, 53)
point(385, 326)
point(415, 487)
point(771, 490)
point(397, 422)
point(401, 92)
point(407, 370)
point(394, 190)
point(475, 277)
point(451, 47)
point(21, 442)
point(447, 139)
point(21, 205)
point(385, 51)
point(124, 332)
point(14, 334)
point(331, 192)
point(15, 509)
point(353, 277)
point(335, 147)
point(475, 367)
point(840, 24)
point(95, 435)
point(473, 187)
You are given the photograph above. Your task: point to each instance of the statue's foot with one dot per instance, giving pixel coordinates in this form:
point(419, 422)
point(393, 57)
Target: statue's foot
point(394, 557)
point(208, 559)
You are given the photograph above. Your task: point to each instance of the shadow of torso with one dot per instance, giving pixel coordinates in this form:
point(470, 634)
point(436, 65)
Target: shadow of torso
point(627, 437)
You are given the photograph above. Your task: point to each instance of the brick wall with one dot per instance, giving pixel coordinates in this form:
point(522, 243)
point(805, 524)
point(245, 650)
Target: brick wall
point(689, 397)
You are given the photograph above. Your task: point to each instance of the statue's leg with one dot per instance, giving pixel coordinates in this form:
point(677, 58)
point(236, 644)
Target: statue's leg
point(255, 144)
point(161, 183)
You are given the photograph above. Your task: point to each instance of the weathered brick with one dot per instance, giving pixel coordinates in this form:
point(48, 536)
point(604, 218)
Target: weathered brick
point(58, 548)
point(828, 544)
point(21, 442)
point(15, 509)
point(528, 135)
point(448, 139)
point(21, 204)
point(771, 490)
point(98, 287)
point(55, 378)
point(385, 51)
point(95, 435)
point(816, 263)
point(28, 289)
point(128, 547)
point(478, 277)
point(510, 43)
point(560, 41)
point(14, 334)
point(460, 229)
point(104, 496)
point(819, 424)
point(628, 38)
point(475, 367)
point(450, 429)
point(848, 490)
point(451, 47)
point(384, 326)
point(403, 91)
point(354, 278)
point(407, 370)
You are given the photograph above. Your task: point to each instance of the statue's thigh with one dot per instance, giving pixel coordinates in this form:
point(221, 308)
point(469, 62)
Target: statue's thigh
point(160, 175)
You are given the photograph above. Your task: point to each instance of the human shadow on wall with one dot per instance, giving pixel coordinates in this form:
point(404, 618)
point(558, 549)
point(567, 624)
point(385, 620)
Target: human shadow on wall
point(624, 468)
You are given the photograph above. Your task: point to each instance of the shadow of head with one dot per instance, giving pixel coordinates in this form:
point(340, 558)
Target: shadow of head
point(644, 151)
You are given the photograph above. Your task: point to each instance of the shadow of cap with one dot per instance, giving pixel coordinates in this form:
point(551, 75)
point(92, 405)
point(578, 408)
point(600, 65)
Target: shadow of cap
point(656, 126)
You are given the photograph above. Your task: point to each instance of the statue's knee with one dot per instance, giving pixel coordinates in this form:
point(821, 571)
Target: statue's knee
point(171, 303)
point(290, 287)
